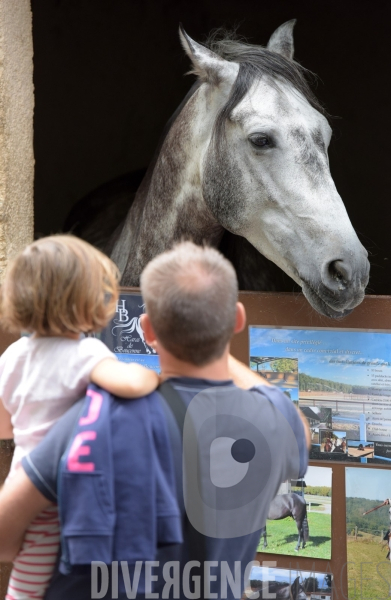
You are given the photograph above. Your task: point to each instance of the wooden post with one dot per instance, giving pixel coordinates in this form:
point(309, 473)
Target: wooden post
point(355, 532)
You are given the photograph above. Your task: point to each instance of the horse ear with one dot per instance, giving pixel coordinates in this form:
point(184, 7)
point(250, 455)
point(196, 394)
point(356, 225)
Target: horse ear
point(282, 40)
point(295, 587)
point(207, 65)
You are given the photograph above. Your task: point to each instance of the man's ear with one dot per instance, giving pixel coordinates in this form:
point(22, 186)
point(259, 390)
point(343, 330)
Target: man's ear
point(240, 321)
point(149, 333)
point(207, 65)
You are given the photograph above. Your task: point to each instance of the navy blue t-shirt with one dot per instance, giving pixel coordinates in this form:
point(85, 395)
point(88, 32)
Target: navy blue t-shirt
point(42, 464)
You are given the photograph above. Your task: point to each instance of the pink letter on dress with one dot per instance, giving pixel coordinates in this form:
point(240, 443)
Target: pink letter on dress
point(94, 408)
point(78, 450)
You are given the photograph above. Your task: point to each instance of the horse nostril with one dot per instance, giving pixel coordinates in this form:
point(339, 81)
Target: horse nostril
point(340, 272)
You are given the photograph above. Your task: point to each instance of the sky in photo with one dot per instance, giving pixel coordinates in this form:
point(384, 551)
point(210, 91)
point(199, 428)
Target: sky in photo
point(317, 348)
point(318, 476)
point(293, 392)
point(372, 484)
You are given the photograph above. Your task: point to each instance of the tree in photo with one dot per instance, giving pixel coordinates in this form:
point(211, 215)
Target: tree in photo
point(284, 365)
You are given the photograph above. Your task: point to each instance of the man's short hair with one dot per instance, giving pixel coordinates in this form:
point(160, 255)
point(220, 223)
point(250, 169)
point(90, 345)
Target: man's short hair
point(190, 294)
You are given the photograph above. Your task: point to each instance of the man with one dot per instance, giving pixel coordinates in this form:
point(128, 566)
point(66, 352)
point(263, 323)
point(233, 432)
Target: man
point(238, 446)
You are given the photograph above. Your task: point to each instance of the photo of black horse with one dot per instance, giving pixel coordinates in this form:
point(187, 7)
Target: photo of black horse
point(299, 517)
point(290, 505)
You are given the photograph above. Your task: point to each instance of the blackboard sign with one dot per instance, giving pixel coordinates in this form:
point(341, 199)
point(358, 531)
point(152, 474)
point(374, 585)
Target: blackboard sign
point(124, 335)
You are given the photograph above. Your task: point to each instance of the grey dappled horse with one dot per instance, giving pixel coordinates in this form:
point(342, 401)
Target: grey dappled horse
point(243, 166)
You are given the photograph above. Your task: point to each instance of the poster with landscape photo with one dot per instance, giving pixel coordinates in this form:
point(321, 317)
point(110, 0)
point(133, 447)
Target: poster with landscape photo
point(343, 386)
point(367, 529)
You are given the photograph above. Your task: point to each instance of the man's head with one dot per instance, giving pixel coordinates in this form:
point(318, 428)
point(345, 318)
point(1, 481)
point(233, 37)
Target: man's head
point(191, 295)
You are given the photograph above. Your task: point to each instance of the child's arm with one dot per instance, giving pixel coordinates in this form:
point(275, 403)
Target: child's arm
point(127, 380)
point(6, 431)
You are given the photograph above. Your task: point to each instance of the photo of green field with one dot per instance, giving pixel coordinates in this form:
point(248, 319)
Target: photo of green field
point(369, 574)
point(367, 526)
point(310, 498)
point(282, 537)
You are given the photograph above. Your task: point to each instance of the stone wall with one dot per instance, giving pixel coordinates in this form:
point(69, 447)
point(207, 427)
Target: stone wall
point(16, 128)
point(16, 160)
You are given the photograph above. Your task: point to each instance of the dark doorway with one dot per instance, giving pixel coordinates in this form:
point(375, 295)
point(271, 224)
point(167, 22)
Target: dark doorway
point(109, 73)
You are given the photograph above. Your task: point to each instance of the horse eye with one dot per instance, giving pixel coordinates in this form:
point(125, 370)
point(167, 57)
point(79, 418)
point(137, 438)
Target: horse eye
point(260, 140)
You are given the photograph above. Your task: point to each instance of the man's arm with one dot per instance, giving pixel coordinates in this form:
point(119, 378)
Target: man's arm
point(20, 503)
point(245, 378)
point(34, 485)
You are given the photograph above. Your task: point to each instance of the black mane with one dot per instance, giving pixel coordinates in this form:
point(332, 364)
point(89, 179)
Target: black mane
point(256, 62)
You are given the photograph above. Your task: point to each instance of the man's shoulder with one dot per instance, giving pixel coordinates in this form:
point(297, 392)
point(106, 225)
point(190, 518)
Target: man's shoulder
point(189, 387)
point(198, 382)
point(272, 394)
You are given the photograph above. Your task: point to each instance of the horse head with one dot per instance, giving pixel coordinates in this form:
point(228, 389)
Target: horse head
point(265, 171)
point(297, 590)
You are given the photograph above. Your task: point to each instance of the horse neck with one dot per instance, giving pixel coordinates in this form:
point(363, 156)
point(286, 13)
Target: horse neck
point(169, 204)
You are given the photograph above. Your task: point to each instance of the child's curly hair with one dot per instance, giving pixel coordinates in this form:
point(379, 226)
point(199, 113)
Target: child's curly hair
point(59, 285)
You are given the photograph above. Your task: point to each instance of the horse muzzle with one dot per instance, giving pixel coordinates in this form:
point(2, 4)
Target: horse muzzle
point(339, 289)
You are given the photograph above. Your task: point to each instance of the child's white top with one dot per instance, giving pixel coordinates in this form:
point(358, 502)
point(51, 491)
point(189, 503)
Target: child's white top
point(40, 378)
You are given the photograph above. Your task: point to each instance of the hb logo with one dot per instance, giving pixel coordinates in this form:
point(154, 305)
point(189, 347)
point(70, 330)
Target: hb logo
point(234, 458)
point(121, 311)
